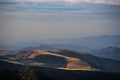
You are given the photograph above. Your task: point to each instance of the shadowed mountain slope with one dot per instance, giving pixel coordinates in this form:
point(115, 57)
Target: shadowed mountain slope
point(67, 59)
point(53, 74)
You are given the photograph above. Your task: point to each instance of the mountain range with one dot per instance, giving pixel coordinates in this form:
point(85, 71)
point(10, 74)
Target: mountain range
point(110, 52)
point(77, 44)
point(62, 59)
point(59, 64)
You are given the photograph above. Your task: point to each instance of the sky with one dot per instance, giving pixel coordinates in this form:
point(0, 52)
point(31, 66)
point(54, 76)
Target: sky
point(58, 19)
point(116, 2)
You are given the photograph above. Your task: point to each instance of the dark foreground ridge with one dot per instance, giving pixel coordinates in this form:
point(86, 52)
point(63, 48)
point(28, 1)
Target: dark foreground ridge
point(11, 71)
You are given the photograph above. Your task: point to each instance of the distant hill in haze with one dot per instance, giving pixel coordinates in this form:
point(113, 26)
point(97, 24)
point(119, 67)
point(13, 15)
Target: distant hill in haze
point(43, 47)
point(110, 52)
point(97, 42)
point(57, 46)
point(78, 44)
point(84, 44)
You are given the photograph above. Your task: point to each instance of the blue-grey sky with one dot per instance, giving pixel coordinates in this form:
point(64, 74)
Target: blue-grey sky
point(57, 19)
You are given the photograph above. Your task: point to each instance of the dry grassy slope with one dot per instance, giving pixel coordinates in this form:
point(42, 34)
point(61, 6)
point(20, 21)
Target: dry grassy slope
point(55, 74)
point(53, 60)
point(4, 53)
point(99, 63)
point(71, 60)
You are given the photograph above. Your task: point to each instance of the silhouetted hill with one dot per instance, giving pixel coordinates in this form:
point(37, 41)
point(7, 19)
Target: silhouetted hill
point(43, 47)
point(77, 44)
point(10, 71)
point(97, 42)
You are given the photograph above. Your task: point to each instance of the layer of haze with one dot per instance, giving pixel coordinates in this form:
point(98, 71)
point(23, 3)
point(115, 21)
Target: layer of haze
point(57, 21)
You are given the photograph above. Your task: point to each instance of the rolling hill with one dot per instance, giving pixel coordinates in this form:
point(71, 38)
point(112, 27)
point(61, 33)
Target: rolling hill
point(42, 73)
point(64, 59)
point(61, 64)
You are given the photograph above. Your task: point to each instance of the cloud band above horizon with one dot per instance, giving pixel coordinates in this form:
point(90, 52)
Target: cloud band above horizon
point(113, 2)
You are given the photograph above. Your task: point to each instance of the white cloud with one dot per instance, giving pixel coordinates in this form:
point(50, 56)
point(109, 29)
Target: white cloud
point(104, 1)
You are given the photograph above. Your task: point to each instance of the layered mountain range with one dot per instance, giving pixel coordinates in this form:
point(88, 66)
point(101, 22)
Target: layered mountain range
point(61, 64)
point(61, 59)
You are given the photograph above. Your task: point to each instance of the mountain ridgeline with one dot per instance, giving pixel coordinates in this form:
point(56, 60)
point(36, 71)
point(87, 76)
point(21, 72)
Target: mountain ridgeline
point(110, 53)
point(89, 58)
point(61, 64)
point(77, 44)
